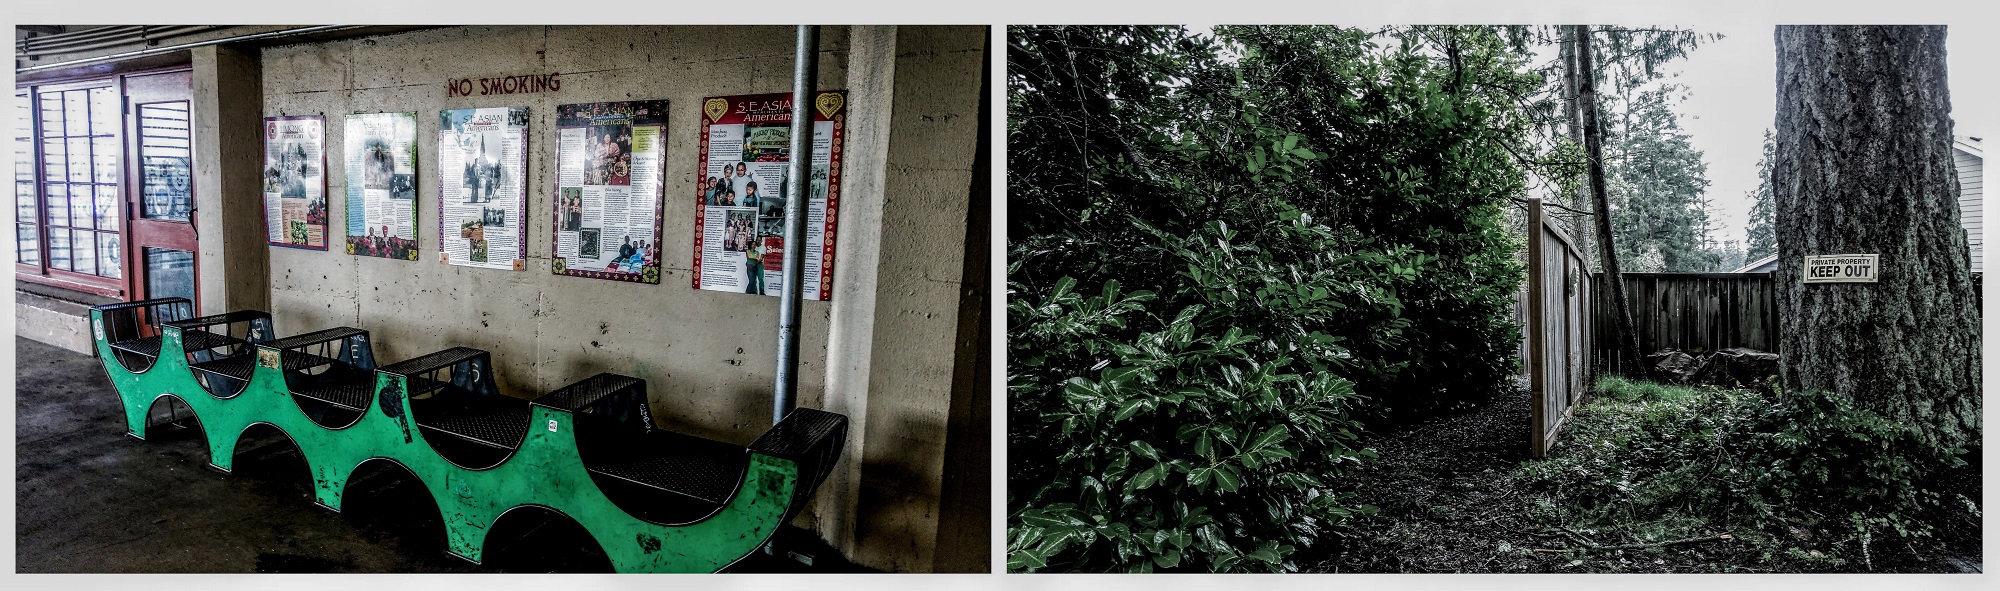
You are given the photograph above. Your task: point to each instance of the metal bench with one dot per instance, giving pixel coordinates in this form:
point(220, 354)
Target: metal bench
point(219, 357)
point(452, 395)
point(670, 477)
point(670, 502)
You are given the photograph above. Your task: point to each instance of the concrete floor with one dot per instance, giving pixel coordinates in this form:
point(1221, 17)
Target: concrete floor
point(89, 499)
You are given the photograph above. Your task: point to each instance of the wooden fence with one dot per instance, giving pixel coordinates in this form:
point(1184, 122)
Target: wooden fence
point(1686, 311)
point(1694, 312)
point(1557, 349)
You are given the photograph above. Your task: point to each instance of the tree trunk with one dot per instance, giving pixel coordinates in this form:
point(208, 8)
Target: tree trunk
point(1864, 166)
point(1593, 147)
point(1573, 120)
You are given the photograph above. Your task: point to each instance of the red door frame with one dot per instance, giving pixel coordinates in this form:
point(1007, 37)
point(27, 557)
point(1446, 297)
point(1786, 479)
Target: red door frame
point(141, 232)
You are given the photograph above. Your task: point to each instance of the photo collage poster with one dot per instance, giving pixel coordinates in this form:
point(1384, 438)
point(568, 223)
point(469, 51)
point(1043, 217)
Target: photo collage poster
point(739, 243)
point(295, 212)
point(381, 185)
point(609, 163)
point(482, 173)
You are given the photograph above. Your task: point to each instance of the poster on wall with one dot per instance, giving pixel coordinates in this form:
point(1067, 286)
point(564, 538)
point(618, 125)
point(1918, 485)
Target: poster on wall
point(739, 239)
point(381, 150)
point(609, 160)
point(295, 181)
point(482, 188)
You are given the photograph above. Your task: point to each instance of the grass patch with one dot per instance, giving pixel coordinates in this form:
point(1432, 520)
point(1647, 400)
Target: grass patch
point(1809, 480)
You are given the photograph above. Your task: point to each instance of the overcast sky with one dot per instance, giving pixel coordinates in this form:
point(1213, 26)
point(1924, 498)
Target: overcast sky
point(1732, 98)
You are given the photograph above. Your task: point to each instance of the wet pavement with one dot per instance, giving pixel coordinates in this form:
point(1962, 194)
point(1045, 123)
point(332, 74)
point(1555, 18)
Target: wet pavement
point(90, 499)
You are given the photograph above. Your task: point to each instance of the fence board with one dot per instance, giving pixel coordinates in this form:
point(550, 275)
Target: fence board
point(1694, 312)
point(1556, 350)
point(1687, 311)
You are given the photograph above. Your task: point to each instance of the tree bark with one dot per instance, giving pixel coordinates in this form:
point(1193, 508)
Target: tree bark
point(1573, 120)
point(1593, 147)
point(1864, 166)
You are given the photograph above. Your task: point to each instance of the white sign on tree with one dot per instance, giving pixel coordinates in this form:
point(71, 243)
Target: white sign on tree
point(1841, 268)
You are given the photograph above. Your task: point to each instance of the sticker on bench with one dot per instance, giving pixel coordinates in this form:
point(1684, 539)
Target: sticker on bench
point(552, 425)
point(268, 358)
point(97, 326)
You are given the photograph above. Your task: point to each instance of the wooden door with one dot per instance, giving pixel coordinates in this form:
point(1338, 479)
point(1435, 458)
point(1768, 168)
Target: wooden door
point(160, 192)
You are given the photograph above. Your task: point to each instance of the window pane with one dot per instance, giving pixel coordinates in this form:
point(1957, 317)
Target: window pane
point(169, 273)
point(84, 246)
point(52, 114)
point(108, 255)
point(79, 160)
point(107, 207)
point(59, 250)
point(53, 158)
point(24, 201)
point(25, 248)
point(24, 141)
point(58, 202)
point(76, 112)
point(163, 143)
point(104, 160)
point(104, 111)
point(80, 213)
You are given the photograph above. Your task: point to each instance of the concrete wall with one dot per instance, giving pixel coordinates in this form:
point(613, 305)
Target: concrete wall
point(53, 321)
point(707, 356)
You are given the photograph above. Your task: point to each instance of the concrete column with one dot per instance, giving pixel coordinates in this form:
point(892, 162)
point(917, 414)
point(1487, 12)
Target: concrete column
point(234, 269)
point(965, 523)
point(899, 280)
point(871, 73)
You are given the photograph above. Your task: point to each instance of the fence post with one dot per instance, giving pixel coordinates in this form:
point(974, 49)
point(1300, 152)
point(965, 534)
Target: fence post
point(1537, 327)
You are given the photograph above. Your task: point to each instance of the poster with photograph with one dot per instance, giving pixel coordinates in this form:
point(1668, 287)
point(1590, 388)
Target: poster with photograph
point(381, 151)
point(482, 188)
point(739, 239)
point(295, 181)
point(609, 160)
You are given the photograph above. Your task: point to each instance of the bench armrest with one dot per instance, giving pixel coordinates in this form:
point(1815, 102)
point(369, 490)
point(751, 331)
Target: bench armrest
point(434, 361)
point(223, 318)
point(811, 437)
point(142, 304)
point(315, 337)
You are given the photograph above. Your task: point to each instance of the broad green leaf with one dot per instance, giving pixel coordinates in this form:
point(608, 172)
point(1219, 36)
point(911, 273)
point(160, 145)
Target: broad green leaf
point(1130, 408)
point(1227, 481)
point(1062, 287)
point(1272, 436)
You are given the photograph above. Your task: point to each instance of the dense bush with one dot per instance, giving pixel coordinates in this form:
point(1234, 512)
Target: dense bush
point(1804, 473)
point(1223, 250)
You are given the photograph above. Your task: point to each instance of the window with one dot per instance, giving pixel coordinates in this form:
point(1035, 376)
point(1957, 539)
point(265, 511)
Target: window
point(69, 165)
point(27, 226)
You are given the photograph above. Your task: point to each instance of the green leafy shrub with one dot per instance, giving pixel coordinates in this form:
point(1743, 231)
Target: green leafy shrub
point(1202, 442)
point(1806, 471)
point(1217, 265)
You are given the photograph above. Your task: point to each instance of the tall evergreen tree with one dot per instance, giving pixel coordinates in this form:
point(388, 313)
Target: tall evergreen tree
point(1762, 240)
point(1863, 165)
point(1660, 214)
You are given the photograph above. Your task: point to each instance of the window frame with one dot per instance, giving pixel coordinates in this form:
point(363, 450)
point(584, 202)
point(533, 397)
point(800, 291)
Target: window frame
point(41, 271)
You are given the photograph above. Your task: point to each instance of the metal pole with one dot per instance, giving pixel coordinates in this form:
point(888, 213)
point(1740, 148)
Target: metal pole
point(805, 78)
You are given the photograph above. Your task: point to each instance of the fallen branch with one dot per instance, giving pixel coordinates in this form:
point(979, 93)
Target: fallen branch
point(1680, 542)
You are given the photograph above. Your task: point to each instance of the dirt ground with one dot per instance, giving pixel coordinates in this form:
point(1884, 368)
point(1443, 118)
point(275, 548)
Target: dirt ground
point(1451, 503)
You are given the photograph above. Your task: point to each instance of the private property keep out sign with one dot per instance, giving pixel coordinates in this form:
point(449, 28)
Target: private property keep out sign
point(1841, 268)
